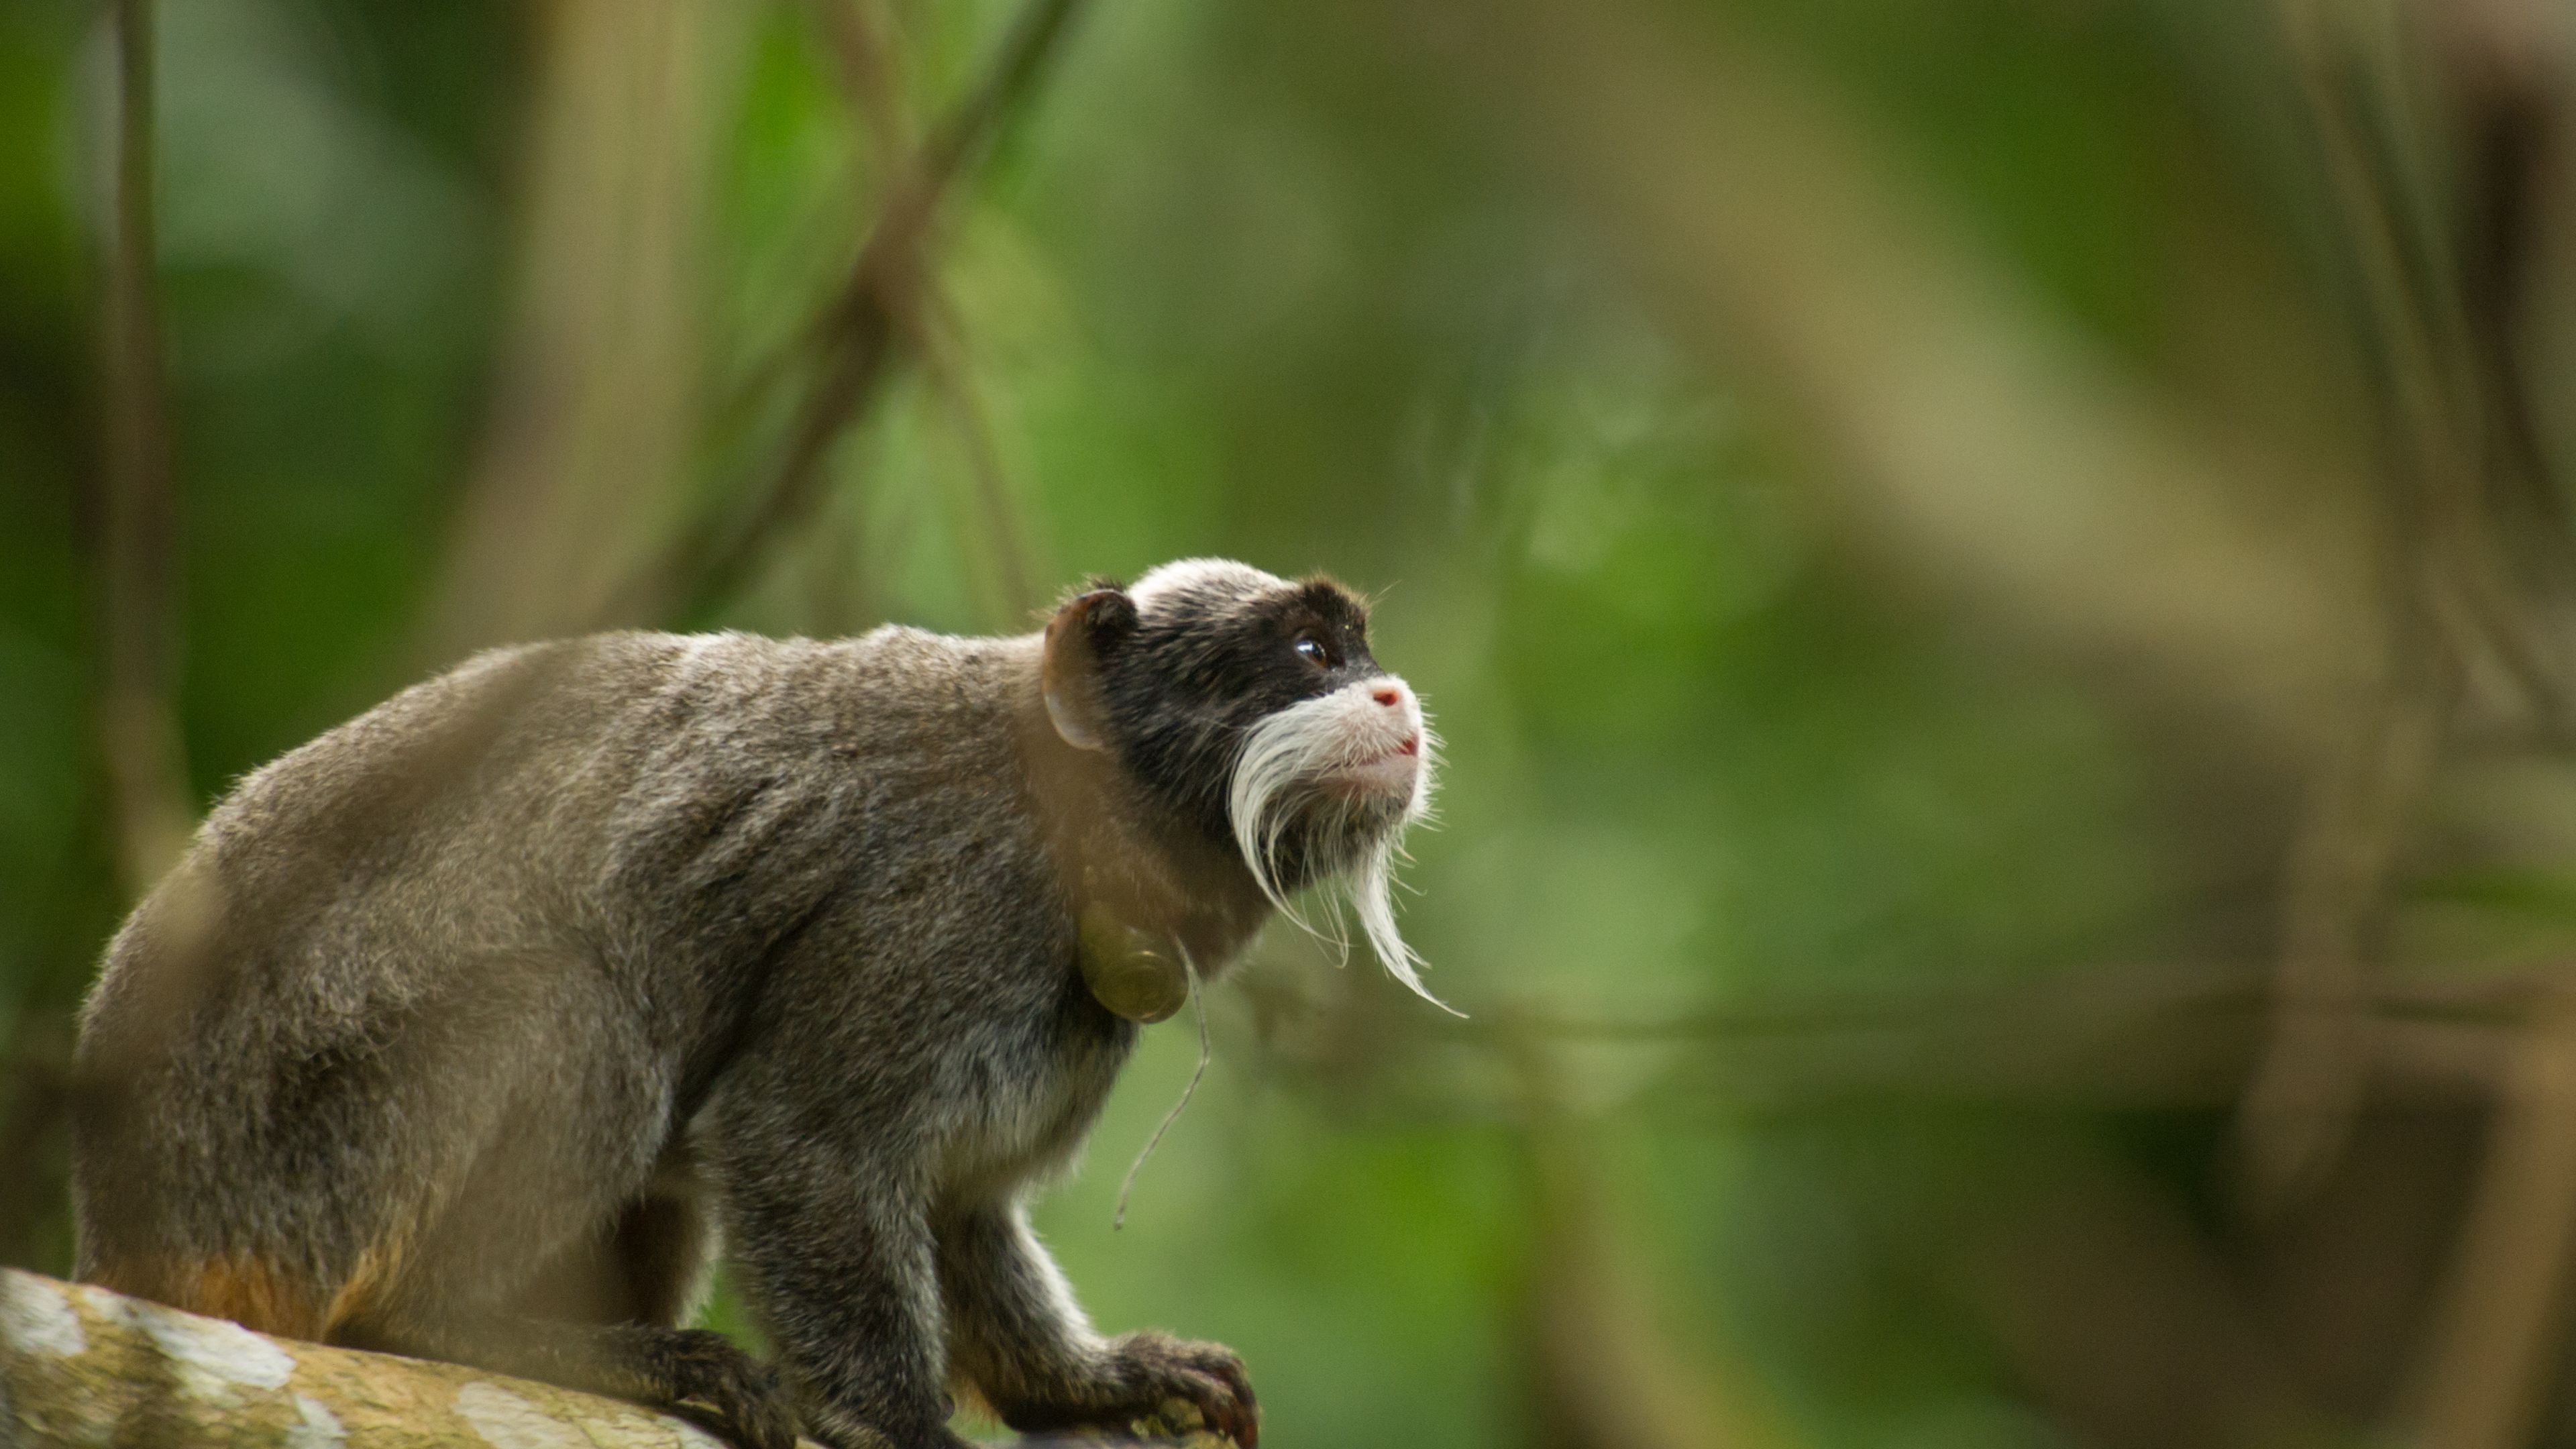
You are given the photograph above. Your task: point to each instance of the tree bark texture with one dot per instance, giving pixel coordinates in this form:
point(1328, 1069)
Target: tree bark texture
point(82, 1366)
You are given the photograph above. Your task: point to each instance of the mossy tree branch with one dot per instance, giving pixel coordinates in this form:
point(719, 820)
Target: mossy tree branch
point(81, 1365)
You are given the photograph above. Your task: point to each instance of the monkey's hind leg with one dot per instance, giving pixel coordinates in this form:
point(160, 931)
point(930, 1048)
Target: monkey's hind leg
point(653, 1266)
point(668, 1368)
point(607, 1315)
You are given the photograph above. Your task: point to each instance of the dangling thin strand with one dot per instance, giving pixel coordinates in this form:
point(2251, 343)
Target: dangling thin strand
point(1198, 1006)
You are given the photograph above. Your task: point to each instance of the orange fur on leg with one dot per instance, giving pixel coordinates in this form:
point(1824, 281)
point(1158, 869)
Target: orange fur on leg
point(255, 1294)
point(364, 1290)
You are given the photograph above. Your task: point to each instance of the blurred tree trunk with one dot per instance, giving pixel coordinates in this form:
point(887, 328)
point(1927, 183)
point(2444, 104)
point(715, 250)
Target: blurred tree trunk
point(136, 512)
point(585, 466)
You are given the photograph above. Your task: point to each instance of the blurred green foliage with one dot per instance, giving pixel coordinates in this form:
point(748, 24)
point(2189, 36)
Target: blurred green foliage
point(1281, 283)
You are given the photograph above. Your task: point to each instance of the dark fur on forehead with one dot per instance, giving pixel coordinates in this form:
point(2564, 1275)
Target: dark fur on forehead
point(1205, 658)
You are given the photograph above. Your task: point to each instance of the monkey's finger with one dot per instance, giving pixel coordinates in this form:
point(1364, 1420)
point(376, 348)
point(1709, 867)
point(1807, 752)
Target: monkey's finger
point(1231, 1374)
point(1217, 1362)
point(1231, 1411)
point(706, 1369)
point(752, 1422)
point(1245, 1426)
point(1223, 1408)
point(1226, 1369)
point(766, 1423)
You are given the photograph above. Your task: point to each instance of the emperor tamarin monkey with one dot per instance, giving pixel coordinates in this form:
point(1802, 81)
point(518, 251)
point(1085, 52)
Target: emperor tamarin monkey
point(462, 1030)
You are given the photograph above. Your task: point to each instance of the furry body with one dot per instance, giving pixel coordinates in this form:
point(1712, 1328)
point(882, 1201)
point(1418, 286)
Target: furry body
point(479, 1015)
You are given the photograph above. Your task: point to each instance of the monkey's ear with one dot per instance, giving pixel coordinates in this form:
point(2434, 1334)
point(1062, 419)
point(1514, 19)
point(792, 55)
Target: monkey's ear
point(1071, 673)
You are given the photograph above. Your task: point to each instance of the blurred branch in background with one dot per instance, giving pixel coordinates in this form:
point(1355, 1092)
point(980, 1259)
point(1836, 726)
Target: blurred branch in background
point(1010, 586)
point(2500, 1326)
point(2299, 1105)
point(2165, 1037)
point(2118, 1309)
point(2453, 618)
point(859, 34)
point(133, 618)
point(2432, 184)
point(137, 513)
point(35, 1101)
point(1603, 1371)
point(2509, 74)
point(1980, 443)
point(857, 336)
point(576, 519)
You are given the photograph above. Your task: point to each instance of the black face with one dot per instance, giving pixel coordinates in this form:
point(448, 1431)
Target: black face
point(1185, 685)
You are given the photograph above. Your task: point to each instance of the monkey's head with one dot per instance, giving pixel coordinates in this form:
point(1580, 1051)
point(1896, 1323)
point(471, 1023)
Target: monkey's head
point(1251, 706)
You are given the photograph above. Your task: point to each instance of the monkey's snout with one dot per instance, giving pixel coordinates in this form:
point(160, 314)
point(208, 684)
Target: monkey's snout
point(1381, 748)
point(1393, 693)
point(1389, 770)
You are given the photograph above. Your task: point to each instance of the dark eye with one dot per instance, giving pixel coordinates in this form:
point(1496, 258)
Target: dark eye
point(1311, 649)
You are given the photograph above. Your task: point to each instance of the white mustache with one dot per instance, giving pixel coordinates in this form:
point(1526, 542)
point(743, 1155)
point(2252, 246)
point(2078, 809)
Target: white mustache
point(1285, 768)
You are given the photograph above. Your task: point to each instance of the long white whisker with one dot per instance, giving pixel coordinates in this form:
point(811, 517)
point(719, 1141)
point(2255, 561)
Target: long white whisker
point(1274, 785)
point(1376, 908)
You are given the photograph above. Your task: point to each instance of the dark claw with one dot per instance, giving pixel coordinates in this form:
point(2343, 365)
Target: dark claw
point(702, 1368)
point(1206, 1376)
point(1142, 1388)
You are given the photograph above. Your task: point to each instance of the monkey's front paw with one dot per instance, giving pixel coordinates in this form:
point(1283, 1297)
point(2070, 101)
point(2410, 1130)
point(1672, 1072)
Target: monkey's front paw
point(1205, 1376)
point(695, 1367)
point(1146, 1377)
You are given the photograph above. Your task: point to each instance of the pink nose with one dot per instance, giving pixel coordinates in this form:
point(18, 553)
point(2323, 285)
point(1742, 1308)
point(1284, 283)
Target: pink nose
point(1387, 697)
